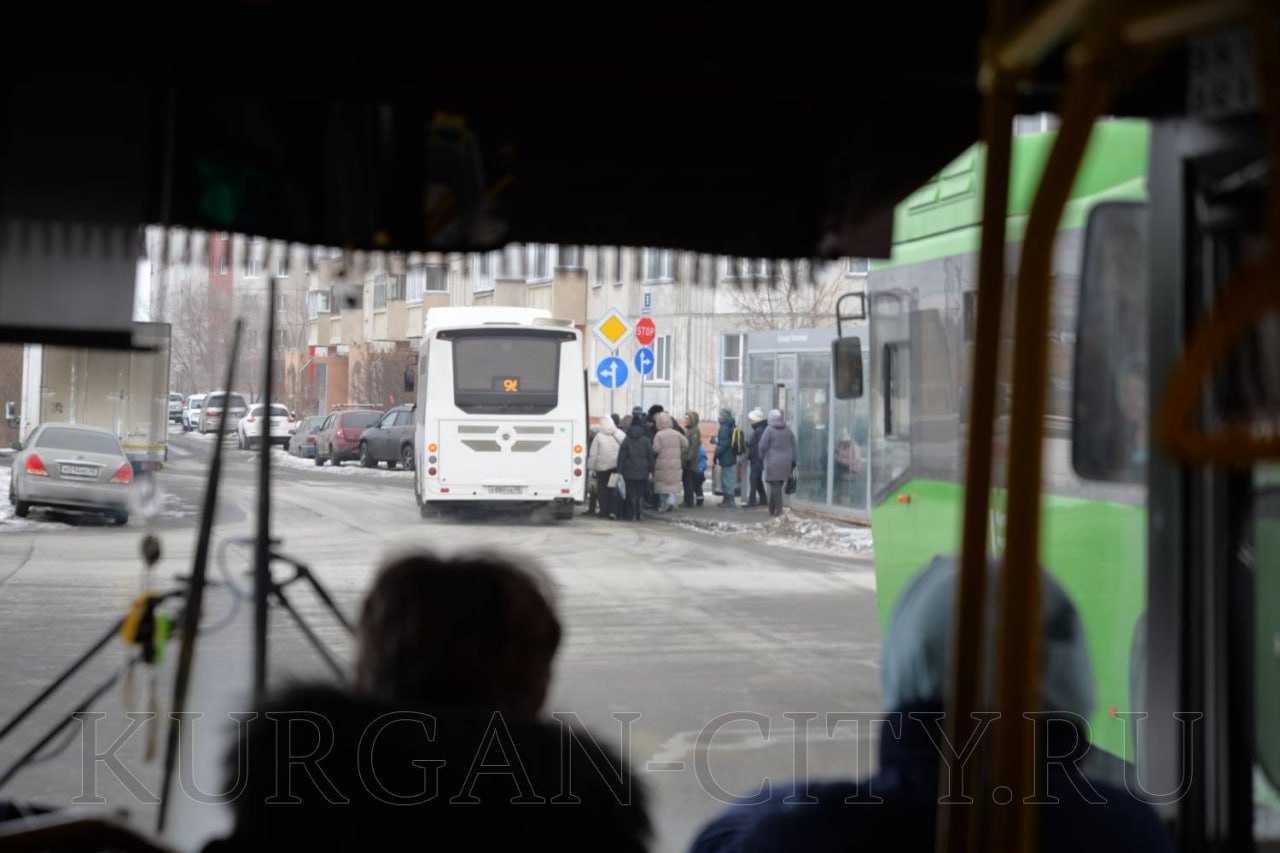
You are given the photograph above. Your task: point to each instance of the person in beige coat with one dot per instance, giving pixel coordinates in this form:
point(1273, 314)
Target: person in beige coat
point(669, 448)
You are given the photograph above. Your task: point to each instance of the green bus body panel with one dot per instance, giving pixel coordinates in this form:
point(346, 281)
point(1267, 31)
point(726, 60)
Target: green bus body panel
point(1096, 550)
point(943, 217)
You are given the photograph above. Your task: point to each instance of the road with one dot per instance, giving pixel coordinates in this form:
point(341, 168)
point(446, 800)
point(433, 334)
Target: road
point(691, 631)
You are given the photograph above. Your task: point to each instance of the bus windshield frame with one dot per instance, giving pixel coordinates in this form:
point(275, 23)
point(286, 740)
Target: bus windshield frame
point(517, 398)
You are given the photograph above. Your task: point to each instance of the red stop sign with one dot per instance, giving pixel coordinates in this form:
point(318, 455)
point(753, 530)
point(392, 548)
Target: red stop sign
point(646, 331)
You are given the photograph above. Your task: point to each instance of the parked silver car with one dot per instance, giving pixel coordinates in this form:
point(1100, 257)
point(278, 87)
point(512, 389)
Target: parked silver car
point(212, 411)
point(303, 440)
point(176, 405)
point(71, 466)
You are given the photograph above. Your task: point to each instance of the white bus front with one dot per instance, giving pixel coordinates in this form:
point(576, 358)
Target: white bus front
point(503, 418)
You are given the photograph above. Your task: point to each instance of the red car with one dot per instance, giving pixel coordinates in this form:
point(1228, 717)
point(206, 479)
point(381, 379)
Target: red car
point(338, 438)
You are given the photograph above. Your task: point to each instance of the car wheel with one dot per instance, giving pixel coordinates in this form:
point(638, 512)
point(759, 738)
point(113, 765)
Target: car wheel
point(366, 460)
point(319, 459)
point(21, 508)
point(406, 457)
point(239, 440)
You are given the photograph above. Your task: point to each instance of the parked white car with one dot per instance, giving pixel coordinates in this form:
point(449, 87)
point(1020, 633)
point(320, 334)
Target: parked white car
point(176, 405)
point(249, 430)
point(191, 412)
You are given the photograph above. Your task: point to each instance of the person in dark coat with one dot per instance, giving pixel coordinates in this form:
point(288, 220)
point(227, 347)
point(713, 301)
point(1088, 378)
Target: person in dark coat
point(757, 495)
point(635, 464)
point(779, 452)
point(897, 808)
point(726, 457)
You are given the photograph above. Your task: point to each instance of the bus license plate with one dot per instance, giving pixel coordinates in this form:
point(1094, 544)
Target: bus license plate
point(506, 490)
point(79, 471)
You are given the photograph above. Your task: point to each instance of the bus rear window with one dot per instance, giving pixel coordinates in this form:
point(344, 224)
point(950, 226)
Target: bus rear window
point(506, 371)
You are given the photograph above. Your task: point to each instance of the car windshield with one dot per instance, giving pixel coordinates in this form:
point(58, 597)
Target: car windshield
point(80, 440)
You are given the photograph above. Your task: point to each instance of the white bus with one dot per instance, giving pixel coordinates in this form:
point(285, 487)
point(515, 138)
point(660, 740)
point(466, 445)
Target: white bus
point(501, 420)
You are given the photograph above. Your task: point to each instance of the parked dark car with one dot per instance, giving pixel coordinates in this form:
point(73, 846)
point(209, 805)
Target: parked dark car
point(303, 441)
point(390, 440)
point(338, 439)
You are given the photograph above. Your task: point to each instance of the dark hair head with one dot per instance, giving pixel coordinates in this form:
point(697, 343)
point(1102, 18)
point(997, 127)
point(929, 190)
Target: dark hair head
point(655, 409)
point(474, 631)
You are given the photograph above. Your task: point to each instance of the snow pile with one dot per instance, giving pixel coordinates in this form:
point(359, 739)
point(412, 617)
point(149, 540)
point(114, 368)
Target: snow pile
point(792, 530)
point(9, 522)
point(350, 469)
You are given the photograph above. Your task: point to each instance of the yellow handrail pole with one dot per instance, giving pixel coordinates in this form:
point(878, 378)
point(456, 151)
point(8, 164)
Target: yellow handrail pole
point(1018, 652)
point(959, 825)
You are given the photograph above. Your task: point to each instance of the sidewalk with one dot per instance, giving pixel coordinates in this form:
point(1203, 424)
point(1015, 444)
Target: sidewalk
point(794, 529)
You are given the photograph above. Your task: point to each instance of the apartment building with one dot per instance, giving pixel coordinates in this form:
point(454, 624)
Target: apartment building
point(367, 309)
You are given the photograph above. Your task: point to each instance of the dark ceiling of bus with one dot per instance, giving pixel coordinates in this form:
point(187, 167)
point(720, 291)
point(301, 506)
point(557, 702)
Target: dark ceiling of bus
point(759, 134)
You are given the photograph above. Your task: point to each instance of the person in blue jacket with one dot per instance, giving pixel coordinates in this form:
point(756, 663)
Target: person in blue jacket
point(896, 809)
point(726, 457)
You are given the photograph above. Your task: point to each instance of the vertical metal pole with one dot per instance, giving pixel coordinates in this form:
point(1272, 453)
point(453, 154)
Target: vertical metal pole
point(195, 591)
point(262, 547)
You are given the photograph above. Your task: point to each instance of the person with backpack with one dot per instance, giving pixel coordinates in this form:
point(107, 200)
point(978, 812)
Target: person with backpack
point(729, 443)
point(779, 451)
point(690, 460)
point(756, 496)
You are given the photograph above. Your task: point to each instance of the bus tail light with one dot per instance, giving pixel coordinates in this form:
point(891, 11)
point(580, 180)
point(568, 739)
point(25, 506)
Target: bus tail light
point(577, 472)
point(431, 472)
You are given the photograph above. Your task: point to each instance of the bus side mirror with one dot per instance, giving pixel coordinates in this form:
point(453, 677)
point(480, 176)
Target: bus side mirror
point(846, 361)
point(1109, 423)
point(408, 380)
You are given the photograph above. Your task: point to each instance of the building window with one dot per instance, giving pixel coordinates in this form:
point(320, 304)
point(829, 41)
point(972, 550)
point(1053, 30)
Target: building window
point(224, 262)
point(569, 257)
point(741, 269)
point(659, 265)
point(385, 289)
point(608, 266)
point(253, 267)
point(415, 284)
point(423, 279)
point(482, 276)
point(539, 262)
point(282, 302)
point(282, 265)
point(511, 262)
point(731, 350)
point(317, 303)
point(858, 266)
point(662, 359)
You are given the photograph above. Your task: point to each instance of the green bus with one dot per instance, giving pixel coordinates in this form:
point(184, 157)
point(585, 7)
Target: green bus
point(921, 314)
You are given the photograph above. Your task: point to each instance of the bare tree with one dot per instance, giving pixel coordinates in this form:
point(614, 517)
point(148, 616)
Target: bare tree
point(786, 297)
point(379, 379)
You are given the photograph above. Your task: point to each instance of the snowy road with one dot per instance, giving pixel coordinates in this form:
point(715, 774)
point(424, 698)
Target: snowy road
point(691, 624)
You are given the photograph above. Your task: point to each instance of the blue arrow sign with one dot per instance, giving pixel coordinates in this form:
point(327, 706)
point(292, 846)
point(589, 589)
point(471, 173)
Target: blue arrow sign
point(612, 372)
point(644, 361)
